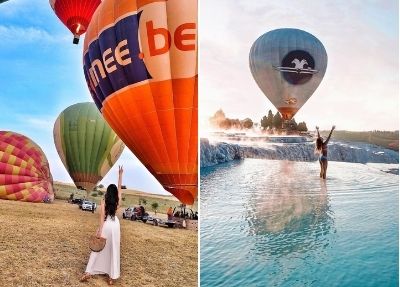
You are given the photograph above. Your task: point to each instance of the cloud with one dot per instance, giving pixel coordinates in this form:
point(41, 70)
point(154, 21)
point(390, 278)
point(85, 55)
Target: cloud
point(26, 10)
point(25, 35)
point(39, 123)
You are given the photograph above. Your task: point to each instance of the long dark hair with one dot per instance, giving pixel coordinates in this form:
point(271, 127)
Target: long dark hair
point(318, 144)
point(111, 201)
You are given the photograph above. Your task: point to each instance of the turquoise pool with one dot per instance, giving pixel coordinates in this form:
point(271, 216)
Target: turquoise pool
point(275, 223)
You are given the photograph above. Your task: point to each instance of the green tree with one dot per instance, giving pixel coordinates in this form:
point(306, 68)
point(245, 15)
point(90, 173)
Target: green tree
point(218, 118)
point(247, 123)
point(154, 205)
point(225, 124)
point(264, 123)
point(101, 186)
point(236, 124)
point(291, 125)
point(277, 121)
point(270, 119)
point(302, 127)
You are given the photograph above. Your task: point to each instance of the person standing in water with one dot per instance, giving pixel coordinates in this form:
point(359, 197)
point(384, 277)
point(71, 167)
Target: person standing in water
point(107, 261)
point(321, 147)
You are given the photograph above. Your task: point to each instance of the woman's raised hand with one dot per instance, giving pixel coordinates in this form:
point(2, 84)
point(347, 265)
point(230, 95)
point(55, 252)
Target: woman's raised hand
point(120, 170)
point(317, 127)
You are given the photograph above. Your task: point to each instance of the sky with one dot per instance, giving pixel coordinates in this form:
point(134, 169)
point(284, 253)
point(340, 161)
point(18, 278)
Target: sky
point(360, 90)
point(41, 74)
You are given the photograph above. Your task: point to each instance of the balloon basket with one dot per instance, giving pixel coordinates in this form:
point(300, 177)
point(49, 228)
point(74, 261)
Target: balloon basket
point(76, 40)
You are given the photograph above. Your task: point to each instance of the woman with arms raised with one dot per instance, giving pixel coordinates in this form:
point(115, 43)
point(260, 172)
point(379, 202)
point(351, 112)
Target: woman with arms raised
point(321, 148)
point(107, 261)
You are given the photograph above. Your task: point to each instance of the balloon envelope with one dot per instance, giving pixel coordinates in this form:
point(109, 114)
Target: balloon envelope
point(75, 14)
point(288, 66)
point(87, 146)
point(24, 170)
point(140, 64)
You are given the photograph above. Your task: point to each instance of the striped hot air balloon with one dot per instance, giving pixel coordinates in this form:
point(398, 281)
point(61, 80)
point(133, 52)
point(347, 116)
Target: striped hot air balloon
point(24, 170)
point(75, 14)
point(140, 64)
point(87, 146)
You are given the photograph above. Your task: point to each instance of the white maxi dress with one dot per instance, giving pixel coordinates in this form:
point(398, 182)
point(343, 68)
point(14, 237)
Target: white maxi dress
point(107, 261)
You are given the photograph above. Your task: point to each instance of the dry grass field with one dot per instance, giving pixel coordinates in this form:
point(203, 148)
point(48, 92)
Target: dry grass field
point(47, 245)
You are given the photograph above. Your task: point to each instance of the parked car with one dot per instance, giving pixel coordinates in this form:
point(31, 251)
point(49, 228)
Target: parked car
point(135, 213)
point(76, 201)
point(127, 213)
point(88, 205)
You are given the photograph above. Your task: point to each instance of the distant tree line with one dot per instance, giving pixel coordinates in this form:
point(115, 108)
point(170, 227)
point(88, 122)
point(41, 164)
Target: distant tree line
point(272, 121)
point(386, 139)
point(219, 120)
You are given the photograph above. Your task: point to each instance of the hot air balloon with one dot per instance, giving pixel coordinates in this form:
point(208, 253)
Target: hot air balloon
point(140, 64)
point(24, 170)
point(288, 66)
point(87, 146)
point(75, 14)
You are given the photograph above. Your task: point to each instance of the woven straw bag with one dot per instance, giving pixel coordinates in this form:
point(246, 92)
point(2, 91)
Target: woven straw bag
point(96, 244)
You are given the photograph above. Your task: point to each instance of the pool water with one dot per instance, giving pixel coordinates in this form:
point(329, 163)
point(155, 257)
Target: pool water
point(276, 223)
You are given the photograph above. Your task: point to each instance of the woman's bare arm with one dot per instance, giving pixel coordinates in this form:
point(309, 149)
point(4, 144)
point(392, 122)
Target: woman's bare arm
point(120, 173)
point(102, 215)
point(329, 137)
point(317, 128)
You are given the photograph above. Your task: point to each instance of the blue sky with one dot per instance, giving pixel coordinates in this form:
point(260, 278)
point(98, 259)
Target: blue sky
point(41, 75)
point(360, 90)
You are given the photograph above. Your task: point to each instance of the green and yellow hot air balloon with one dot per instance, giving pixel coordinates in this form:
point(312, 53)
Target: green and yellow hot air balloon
point(87, 145)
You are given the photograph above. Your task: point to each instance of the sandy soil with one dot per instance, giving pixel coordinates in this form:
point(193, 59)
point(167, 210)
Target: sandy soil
point(47, 245)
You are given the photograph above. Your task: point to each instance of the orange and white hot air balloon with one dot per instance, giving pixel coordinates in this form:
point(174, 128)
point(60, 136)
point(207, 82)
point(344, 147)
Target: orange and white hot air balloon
point(140, 64)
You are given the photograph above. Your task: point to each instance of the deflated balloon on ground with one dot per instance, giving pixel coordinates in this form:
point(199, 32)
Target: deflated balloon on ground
point(24, 170)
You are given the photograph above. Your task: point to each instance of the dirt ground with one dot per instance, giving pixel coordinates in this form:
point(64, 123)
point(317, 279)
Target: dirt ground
point(47, 245)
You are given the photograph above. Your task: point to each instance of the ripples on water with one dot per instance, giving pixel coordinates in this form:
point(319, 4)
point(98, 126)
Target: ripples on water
point(275, 223)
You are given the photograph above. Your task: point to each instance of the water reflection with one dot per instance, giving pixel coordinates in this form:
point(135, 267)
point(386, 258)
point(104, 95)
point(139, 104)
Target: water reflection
point(271, 223)
point(290, 216)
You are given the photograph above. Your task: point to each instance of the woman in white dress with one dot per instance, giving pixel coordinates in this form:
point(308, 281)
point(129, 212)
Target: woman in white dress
point(107, 261)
